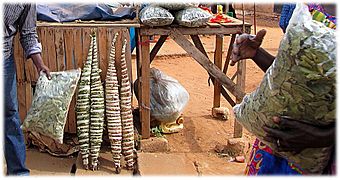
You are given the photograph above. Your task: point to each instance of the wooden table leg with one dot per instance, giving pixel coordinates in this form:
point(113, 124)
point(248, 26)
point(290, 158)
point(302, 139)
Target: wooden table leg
point(218, 63)
point(144, 86)
point(241, 80)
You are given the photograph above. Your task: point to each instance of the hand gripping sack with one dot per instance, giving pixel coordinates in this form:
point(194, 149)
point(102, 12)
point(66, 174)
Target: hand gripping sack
point(168, 97)
point(299, 84)
point(50, 104)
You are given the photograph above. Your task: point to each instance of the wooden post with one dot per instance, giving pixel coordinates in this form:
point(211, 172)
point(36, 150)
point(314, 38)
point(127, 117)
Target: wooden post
point(241, 80)
point(144, 86)
point(218, 63)
point(206, 63)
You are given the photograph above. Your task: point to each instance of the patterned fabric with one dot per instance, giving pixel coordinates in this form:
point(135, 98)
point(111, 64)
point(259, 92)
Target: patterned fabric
point(317, 11)
point(286, 14)
point(14, 21)
point(263, 162)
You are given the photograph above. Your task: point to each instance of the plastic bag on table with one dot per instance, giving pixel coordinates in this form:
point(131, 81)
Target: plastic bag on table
point(176, 6)
point(155, 16)
point(300, 84)
point(50, 104)
point(192, 17)
point(168, 97)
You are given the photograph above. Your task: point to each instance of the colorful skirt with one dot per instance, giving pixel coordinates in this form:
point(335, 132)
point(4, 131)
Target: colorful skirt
point(263, 162)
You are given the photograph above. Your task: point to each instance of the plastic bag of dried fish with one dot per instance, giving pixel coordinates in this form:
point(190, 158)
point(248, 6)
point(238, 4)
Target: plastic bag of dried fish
point(192, 17)
point(300, 84)
point(155, 16)
point(175, 6)
point(50, 104)
point(168, 97)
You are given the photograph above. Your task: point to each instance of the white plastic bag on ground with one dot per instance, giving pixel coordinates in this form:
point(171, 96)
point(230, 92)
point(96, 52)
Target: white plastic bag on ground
point(50, 104)
point(299, 84)
point(168, 97)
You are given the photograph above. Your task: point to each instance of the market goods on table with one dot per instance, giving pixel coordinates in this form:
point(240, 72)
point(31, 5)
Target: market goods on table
point(50, 104)
point(192, 17)
point(299, 84)
point(155, 16)
point(175, 6)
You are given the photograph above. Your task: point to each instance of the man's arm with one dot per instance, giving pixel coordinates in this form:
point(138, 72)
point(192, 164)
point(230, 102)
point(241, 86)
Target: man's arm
point(29, 38)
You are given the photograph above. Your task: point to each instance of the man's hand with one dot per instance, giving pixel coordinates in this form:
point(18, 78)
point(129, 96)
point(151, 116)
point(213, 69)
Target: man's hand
point(39, 64)
point(296, 136)
point(246, 45)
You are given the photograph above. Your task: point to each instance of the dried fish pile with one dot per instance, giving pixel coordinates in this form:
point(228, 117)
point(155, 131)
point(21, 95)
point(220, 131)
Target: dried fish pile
point(126, 114)
point(300, 84)
point(192, 17)
point(50, 104)
point(91, 106)
point(155, 16)
point(112, 104)
point(83, 109)
point(97, 108)
point(90, 109)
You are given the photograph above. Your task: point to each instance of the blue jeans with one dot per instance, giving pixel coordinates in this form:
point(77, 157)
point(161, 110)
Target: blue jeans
point(15, 150)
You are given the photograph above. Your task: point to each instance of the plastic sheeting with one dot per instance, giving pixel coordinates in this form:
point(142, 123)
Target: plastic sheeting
point(85, 12)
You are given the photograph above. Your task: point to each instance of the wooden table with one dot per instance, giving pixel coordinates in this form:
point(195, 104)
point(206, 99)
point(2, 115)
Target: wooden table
point(222, 83)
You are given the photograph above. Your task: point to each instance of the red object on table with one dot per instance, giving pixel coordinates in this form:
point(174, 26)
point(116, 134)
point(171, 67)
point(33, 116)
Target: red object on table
point(220, 18)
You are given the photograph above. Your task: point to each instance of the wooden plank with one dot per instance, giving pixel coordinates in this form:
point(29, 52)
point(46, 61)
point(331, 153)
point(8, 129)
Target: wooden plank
point(103, 51)
point(237, 29)
point(60, 49)
point(70, 125)
point(78, 48)
point(21, 92)
point(68, 41)
point(144, 101)
point(241, 80)
point(230, 50)
point(214, 25)
point(51, 45)
point(157, 47)
point(44, 43)
point(86, 41)
point(199, 46)
point(218, 63)
point(31, 73)
point(206, 63)
point(19, 60)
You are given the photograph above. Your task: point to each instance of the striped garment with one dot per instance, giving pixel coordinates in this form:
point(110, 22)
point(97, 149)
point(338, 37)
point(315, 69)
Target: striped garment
point(22, 18)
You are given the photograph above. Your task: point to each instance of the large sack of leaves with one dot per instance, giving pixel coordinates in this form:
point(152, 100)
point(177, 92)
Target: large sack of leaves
point(168, 97)
point(192, 17)
point(50, 104)
point(155, 16)
point(300, 84)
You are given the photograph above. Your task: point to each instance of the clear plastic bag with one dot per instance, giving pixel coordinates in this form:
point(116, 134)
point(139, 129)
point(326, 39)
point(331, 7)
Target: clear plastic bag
point(175, 6)
point(155, 16)
point(168, 97)
point(50, 104)
point(299, 84)
point(192, 17)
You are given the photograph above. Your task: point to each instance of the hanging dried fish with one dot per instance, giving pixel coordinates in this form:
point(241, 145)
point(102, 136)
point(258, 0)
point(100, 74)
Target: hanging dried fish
point(126, 114)
point(83, 109)
point(114, 122)
point(97, 108)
